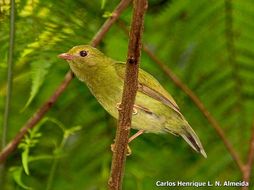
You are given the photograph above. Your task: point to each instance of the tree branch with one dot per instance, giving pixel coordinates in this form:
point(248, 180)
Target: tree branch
point(214, 123)
point(250, 159)
point(251, 150)
point(128, 97)
point(9, 85)
point(38, 115)
point(10, 73)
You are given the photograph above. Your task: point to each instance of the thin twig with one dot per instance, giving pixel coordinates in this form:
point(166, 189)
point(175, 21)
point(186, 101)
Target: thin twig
point(9, 74)
point(9, 85)
point(251, 151)
point(38, 115)
point(177, 81)
point(250, 159)
point(128, 97)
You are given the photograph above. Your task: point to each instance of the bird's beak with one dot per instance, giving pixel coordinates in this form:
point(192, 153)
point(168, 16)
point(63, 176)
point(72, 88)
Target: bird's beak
point(66, 56)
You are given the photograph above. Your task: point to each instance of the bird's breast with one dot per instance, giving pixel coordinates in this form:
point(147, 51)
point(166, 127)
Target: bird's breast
point(108, 93)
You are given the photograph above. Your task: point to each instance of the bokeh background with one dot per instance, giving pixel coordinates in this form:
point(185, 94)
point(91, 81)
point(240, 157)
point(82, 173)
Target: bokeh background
point(209, 45)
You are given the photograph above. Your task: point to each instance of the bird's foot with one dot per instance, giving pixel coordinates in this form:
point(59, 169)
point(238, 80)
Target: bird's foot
point(128, 153)
point(112, 147)
point(135, 111)
point(140, 132)
point(118, 106)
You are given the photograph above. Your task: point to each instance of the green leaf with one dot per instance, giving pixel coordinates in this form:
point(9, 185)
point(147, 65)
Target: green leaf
point(107, 14)
point(39, 71)
point(42, 157)
point(30, 140)
point(103, 3)
point(17, 176)
point(24, 157)
point(72, 130)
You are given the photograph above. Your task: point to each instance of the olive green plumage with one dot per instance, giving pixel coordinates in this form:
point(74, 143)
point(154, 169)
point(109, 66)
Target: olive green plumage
point(157, 112)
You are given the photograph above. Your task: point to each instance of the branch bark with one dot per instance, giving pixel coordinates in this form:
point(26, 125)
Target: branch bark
point(128, 97)
point(250, 159)
point(38, 115)
point(9, 86)
point(10, 73)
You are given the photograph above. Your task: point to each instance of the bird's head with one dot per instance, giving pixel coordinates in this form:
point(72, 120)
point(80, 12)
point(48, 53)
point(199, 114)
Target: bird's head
point(84, 58)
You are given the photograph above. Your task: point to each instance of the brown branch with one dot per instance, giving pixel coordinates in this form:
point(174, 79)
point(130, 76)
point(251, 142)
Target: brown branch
point(214, 123)
point(251, 149)
point(128, 97)
point(250, 159)
point(38, 115)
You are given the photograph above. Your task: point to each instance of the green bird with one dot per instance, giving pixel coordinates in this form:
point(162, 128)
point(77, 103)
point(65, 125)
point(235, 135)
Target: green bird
point(154, 110)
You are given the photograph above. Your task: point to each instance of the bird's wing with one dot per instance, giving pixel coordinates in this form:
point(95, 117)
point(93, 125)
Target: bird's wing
point(150, 86)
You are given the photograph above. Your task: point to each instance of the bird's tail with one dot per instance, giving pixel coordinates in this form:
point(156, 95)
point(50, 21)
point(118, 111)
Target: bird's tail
point(192, 139)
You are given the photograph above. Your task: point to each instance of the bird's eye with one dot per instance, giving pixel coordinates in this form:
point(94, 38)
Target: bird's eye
point(83, 53)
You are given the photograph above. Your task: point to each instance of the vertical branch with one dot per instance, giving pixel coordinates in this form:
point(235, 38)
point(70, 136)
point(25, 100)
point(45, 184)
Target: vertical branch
point(128, 98)
point(251, 152)
point(9, 77)
point(9, 83)
point(232, 56)
point(250, 159)
point(231, 50)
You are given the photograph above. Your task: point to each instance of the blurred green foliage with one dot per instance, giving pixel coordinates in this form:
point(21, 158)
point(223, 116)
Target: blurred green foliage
point(208, 44)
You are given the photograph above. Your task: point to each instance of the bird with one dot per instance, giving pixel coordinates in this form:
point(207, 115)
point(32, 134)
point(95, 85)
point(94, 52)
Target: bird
point(154, 111)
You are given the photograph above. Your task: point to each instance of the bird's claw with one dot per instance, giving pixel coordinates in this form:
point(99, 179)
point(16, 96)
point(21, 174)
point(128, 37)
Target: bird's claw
point(118, 106)
point(112, 147)
point(128, 153)
point(135, 111)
